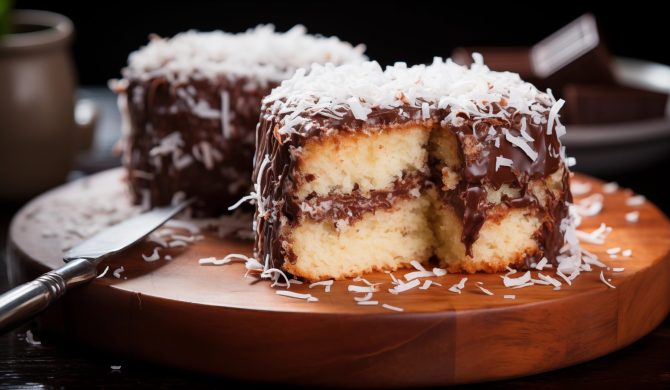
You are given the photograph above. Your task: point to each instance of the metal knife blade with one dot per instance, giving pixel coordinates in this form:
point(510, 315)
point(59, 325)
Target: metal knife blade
point(124, 234)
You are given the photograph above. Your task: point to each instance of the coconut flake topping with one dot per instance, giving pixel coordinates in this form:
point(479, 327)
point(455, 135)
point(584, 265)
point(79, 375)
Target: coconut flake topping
point(357, 88)
point(260, 53)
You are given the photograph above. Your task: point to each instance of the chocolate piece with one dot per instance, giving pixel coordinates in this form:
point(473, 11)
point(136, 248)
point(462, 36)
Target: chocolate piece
point(572, 54)
point(594, 104)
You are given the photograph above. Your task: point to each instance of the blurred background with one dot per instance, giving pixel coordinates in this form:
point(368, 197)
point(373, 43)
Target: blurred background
point(392, 31)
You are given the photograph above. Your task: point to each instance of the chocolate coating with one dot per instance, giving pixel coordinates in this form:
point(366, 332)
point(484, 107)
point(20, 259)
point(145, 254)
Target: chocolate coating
point(158, 108)
point(478, 172)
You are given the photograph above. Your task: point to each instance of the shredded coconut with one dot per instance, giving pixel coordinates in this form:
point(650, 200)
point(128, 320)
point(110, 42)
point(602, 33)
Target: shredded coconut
point(391, 307)
point(259, 53)
point(602, 279)
point(637, 200)
point(633, 217)
point(405, 286)
point(103, 273)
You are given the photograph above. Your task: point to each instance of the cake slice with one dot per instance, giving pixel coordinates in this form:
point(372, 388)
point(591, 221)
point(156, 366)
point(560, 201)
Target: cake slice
point(358, 168)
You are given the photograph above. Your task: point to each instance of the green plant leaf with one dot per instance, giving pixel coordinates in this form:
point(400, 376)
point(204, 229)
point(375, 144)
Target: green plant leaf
point(5, 21)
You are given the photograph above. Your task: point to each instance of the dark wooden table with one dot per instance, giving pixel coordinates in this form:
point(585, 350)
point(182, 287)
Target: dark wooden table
point(57, 364)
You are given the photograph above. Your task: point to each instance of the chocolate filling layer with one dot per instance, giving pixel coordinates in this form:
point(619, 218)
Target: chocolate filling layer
point(351, 207)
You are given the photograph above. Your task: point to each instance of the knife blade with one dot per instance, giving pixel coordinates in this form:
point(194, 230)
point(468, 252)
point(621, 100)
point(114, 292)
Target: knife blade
point(122, 235)
point(27, 300)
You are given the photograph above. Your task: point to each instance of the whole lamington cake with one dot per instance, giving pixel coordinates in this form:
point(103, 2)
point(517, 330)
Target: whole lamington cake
point(190, 105)
point(359, 168)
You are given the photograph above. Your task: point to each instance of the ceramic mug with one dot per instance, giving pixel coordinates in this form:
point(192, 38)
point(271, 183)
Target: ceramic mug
point(38, 132)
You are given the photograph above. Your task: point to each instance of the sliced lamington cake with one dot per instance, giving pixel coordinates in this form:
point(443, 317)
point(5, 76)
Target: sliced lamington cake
point(358, 168)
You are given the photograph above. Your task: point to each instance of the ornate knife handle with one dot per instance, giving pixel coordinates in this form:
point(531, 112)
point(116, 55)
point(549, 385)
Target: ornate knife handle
point(29, 299)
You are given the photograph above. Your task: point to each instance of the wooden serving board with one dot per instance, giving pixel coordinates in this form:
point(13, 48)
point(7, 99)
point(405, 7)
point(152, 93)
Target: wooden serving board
point(213, 320)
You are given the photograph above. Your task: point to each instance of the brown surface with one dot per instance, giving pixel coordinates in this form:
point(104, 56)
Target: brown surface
point(211, 319)
point(594, 104)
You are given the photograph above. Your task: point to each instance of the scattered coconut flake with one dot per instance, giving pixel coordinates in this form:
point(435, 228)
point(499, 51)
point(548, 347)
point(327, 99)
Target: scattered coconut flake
point(509, 296)
point(274, 274)
point(539, 281)
point(637, 200)
point(158, 240)
point(326, 283)
point(521, 280)
point(117, 272)
point(580, 188)
point(510, 271)
point(590, 206)
point(602, 278)
point(360, 289)
point(103, 273)
point(418, 274)
point(177, 244)
point(366, 297)
point(613, 251)
point(564, 277)
point(427, 284)
point(405, 286)
point(292, 294)
point(627, 253)
point(484, 290)
point(530, 283)
point(250, 262)
point(30, 338)
point(153, 257)
point(167, 257)
point(391, 307)
point(618, 269)
point(549, 279)
point(394, 280)
point(596, 237)
point(439, 271)
point(610, 187)
point(503, 162)
point(633, 217)
point(361, 279)
point(456, 288)
point(367, 303)
point(542, 263)
point(182, 224)
point(417, 266)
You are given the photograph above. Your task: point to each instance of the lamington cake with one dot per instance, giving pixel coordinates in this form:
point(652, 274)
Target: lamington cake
point(190, 105)
point(358, 168)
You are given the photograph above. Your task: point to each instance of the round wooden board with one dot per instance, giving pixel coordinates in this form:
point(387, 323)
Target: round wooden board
point(214, 320)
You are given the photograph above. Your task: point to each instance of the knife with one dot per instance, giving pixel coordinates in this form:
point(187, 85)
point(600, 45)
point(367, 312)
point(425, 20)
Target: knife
point(27, 300)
